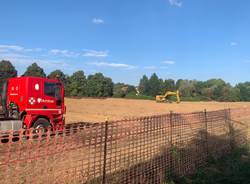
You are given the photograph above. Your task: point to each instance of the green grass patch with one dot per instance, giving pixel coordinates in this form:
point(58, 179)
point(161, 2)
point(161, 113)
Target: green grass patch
point(140, 97)
point(171, 98)
point(195, 99)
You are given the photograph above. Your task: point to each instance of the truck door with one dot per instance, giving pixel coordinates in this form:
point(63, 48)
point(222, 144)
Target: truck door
point(53, 95)
point(35, 92)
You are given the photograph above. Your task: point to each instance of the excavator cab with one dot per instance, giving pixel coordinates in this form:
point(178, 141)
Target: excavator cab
point(165, 97)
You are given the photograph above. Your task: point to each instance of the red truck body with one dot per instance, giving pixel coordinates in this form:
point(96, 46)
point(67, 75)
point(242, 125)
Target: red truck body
point(38, 102)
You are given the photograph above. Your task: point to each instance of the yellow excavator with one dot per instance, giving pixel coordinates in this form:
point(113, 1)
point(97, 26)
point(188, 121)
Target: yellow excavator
point(164, 98)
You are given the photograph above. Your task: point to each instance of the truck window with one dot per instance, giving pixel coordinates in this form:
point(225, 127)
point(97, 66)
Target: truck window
point(3, 97)
point(52, 89)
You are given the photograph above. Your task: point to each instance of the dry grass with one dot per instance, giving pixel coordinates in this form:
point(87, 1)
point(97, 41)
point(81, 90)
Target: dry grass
point(97, 110)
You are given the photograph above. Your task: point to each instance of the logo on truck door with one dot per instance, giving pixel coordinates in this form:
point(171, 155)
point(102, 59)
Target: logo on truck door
point(39, 100)
point(32, 100)
point(37, 87)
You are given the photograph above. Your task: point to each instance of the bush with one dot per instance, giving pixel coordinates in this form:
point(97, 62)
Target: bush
point(140, 97)
point(195, 99)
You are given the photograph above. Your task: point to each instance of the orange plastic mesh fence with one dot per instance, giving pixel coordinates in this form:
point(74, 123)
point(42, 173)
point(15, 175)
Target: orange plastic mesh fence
point(136, 150)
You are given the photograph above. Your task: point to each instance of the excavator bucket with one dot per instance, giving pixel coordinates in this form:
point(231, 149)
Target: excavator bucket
point(160, 98)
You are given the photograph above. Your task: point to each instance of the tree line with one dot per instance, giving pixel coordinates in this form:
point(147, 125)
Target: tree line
point(195, 90)
point(77, 84)
point(98, 85)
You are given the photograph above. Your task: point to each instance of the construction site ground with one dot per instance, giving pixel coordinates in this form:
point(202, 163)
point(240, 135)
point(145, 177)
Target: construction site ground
point(98, 110)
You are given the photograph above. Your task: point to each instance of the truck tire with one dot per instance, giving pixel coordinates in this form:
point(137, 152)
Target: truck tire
point(41, 124)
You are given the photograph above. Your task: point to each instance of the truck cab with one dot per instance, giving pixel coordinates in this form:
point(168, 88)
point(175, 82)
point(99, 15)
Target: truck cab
point(36, 102)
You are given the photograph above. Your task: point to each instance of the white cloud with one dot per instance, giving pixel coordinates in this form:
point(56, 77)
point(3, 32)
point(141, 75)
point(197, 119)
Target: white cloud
point(233, 44)
point(86, 53)
point(56, 52)
point(17, 48)
point(7, 48)
point(23, 61)
point(155, 67)
point(112, 65)
point(97, 21)
point(177, 3)
point(21, 58)
point(94, 53)
point(34, 50)
point(6, 56)
point(163, 67)
point(169, 62)
point(65, 53)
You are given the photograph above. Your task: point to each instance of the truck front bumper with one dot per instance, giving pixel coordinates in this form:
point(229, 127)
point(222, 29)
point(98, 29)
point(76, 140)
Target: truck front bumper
point(10, 125)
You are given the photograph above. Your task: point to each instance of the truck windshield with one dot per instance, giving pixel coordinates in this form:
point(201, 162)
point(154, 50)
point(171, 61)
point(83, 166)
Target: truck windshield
point(1, 86)
point(52, 89)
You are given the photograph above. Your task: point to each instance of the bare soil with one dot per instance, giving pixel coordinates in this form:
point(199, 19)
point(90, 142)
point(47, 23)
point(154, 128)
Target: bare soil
point(98, 110)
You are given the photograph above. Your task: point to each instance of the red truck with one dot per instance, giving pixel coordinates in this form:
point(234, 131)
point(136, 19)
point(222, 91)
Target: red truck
point(32, 102)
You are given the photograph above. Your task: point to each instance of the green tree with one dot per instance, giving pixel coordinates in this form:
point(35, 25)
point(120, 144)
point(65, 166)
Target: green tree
point(35, 71)
point(199, 86)
point(107, 87)
point(121, 90)
point(231, 94)
point(162, 86)
point(99, 86)
point(207, 92)
point(178, 83)
point(7, 70)
point(154, 85)
point(58, 74)
point(169, 85)
point(76, 85)
point(186, 87)
point(144, 85)
point(244, 91)
point(216, 87)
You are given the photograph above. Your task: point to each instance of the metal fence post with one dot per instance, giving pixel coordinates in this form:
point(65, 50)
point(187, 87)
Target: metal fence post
point(230, 127)
point(171, 124)
point(205, 118)
point(171, 141)
point(105, 153)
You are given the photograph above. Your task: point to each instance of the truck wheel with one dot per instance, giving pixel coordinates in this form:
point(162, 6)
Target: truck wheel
point(41, 125)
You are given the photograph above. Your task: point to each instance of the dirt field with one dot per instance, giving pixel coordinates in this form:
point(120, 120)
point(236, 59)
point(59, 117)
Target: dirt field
point(97, 110)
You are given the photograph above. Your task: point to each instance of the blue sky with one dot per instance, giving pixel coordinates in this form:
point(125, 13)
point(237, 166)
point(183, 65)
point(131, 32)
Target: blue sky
point(189, 39)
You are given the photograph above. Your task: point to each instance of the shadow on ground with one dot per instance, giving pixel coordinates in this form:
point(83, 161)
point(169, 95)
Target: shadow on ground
point(212, 158)
point(233, 168)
